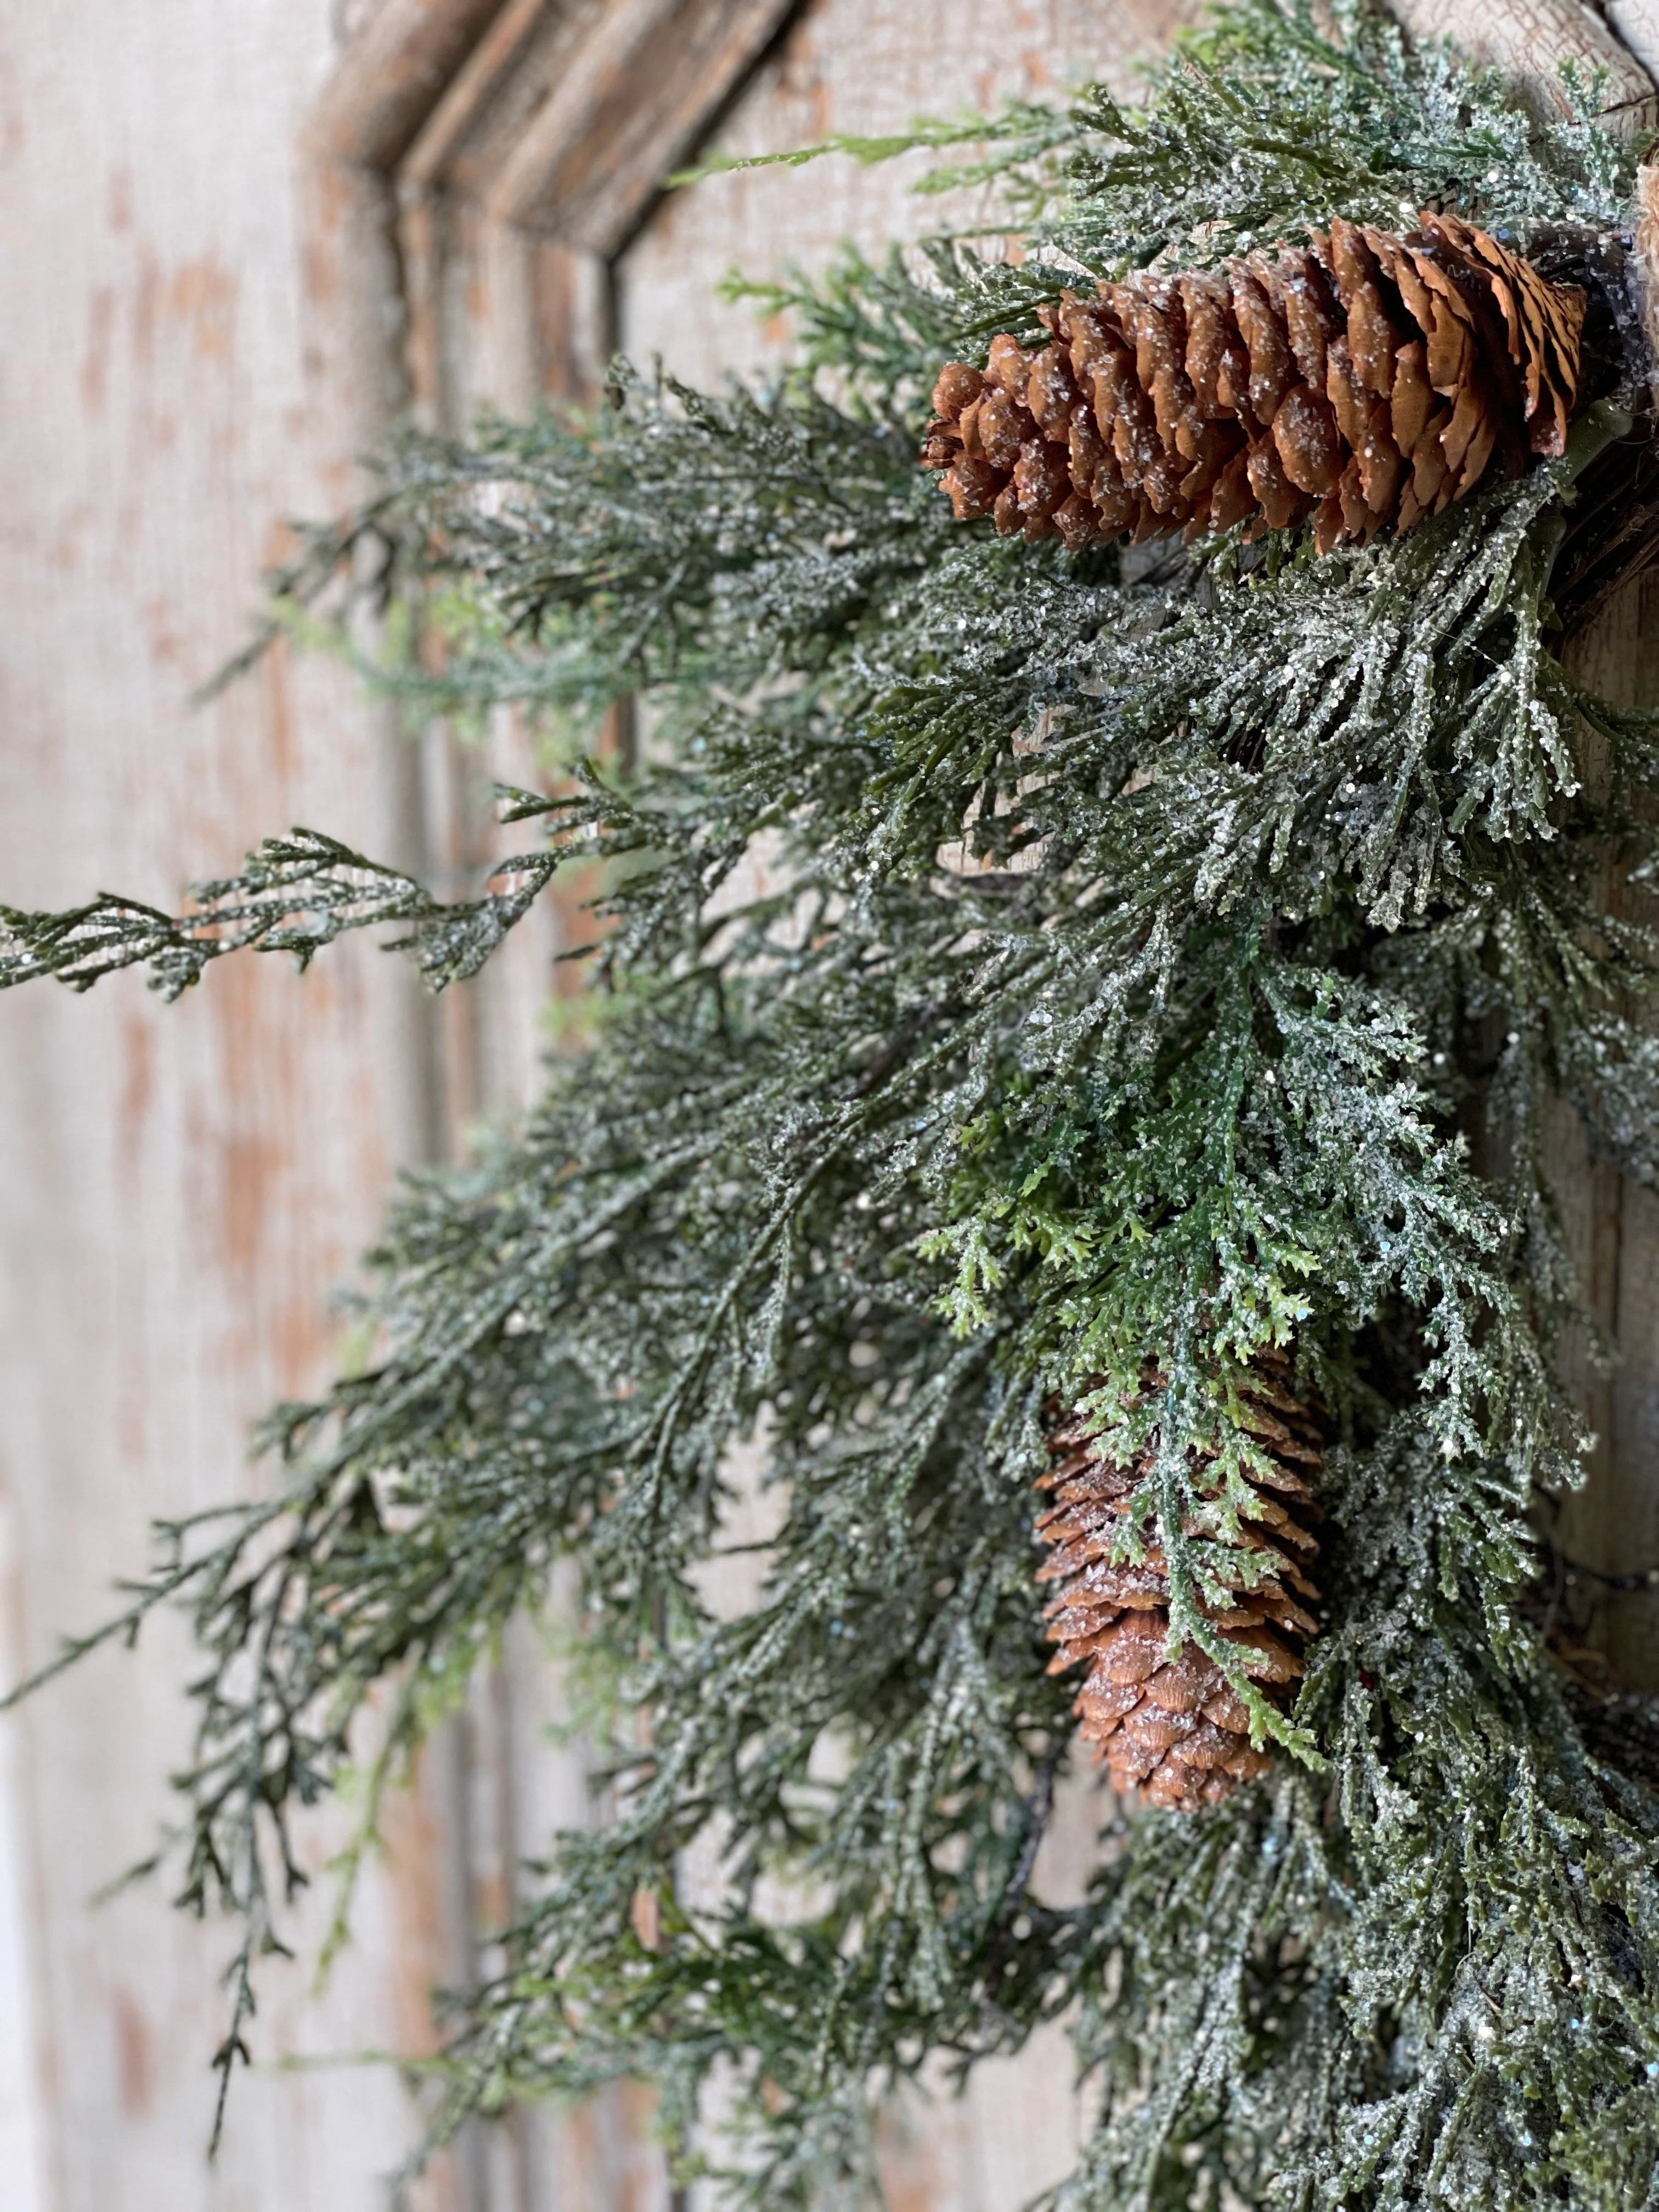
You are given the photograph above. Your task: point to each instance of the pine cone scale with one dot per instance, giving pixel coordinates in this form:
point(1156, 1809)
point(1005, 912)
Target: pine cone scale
point(1411, 397)
point(1362, 381)
point(1309, 444)
point(1310, 321)
point(1168, 1722)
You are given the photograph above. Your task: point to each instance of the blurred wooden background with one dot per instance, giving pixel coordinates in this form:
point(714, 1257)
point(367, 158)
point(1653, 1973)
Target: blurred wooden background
point(241, 243)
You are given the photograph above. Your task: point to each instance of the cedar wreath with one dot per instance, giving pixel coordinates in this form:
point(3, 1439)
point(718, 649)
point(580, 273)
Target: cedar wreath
point(877, 1157)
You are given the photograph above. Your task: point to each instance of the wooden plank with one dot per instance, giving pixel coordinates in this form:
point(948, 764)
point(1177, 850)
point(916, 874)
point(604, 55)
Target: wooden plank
point(1636, 22)
point(1532, 38)
point(184, 1187)
point(624, 109)
point(393, 75)
point(502, 313)
point(1612, 1525)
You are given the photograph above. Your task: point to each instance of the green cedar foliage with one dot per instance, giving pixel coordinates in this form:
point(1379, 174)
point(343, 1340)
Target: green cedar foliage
point(1170, 957)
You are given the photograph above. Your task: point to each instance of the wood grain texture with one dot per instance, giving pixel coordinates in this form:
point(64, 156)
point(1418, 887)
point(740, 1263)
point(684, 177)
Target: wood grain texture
point(1637, 23)
point(624, 110)
point(397, 63)
point(1532, 38)
point(1612, 1525)
point(857, 66)
point(183, 1189)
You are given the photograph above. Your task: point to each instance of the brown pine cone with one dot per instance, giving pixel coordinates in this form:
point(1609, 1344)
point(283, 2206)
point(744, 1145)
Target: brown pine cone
point(1174, 1728)
point(1366, 380)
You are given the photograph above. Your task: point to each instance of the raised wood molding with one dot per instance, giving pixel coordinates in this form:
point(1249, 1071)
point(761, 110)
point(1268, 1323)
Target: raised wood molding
point(528, 136)
point(470, 169)
point(633, 95)
point(1636, 22)
point(1532, 38)
point(393, 75)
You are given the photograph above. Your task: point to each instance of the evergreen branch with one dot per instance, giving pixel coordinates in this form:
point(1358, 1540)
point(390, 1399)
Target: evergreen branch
point(295, 894)
point(1031, 129)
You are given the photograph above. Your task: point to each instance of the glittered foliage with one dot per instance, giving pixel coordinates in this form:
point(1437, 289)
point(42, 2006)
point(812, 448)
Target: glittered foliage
point(1132, 1065)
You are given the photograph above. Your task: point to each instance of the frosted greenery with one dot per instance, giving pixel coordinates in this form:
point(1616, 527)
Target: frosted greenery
point(1175, 956)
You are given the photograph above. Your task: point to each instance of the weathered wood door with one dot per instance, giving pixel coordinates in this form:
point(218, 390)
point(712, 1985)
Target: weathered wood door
point(241, 243)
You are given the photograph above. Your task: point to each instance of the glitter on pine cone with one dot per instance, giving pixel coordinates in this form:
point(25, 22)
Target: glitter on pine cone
point(1174, 1728)
point(1363, 381)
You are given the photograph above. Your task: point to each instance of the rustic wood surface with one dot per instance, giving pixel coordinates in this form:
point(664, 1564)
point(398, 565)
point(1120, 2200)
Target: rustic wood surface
point(1636, 22)
point(1611, 1527)
point(1533, 38)
point(183, 1190)
point(858, 66)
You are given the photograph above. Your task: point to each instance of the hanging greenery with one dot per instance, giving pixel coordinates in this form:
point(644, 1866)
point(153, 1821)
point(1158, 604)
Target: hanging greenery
point(1139, 1079)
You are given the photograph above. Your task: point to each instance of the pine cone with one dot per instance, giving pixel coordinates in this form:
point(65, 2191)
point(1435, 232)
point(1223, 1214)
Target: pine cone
point(1366, 380)
point(1174, 1728)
